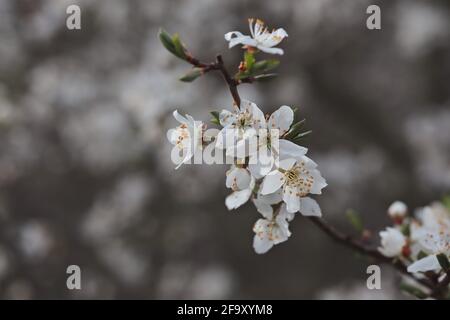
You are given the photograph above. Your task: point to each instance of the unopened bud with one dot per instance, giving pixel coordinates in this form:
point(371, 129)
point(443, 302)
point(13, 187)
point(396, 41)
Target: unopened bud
point(397, 211)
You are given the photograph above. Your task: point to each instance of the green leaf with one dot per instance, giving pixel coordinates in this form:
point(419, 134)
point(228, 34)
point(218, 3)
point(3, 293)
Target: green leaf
point(298, 138)
point(443, 261)
point(167, 42)
point(264, 77)
point(172, 44)
point(355, 220)
point(249, 59)
point(416, 292)
point(193, 74)
point(265, 65)
point(295, 129)
point(179, 48)
point(215, 117)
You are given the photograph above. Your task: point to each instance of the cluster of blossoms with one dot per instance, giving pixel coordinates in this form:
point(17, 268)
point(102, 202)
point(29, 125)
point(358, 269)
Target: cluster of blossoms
point(421, 241)
point(268, 167)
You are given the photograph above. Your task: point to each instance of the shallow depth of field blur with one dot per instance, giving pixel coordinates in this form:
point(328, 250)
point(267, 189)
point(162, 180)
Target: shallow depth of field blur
point(85, 170)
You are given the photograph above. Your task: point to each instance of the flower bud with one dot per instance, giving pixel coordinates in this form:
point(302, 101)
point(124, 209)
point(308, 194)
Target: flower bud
point(397, 211)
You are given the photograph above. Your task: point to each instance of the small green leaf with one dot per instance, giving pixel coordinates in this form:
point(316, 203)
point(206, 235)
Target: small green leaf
point(179, 48)
point(249, 59)
point(166, 40)
point(172, 44)
point(265, 65)
point(443, 261)
point(355, 220)
point(405, 229)
point(295, 129)
point(298, 138)
point(416, 292)
point(215, 117)
point(192, 75)
point(264, 77)
point(421, 255)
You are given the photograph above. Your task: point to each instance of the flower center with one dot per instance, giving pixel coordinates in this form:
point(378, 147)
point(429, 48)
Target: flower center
point(244, 120)
point(299, 177)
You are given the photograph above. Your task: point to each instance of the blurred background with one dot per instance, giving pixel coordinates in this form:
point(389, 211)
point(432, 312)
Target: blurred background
point(85, 170)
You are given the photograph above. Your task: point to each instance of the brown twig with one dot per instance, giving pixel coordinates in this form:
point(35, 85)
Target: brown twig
point(437, 290)
point(218, 65)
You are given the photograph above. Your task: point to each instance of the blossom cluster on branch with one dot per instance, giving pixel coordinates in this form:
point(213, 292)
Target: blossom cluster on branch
point(421, 241)
point(269, 167)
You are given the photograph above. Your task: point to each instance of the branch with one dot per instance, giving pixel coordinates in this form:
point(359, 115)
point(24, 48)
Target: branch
point(218, 66)
point(232, 83)
point(348, 241)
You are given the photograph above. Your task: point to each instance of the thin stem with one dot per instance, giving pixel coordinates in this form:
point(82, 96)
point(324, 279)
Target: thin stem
point(232, 83)
point(218, 65)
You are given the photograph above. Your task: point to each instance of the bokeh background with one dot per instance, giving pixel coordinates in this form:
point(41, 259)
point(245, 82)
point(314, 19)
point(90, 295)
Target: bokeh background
point(85, 173)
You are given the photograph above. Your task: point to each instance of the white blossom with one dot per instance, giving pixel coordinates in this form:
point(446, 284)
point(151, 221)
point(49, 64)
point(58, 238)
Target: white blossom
point(187, 137)
point(392, 242)
point(260, 37)
point(272, 230)
point(297, 178)
point(271, 143)
point(430, 234)
point(434, 243)
point(239, 127)
point(242, 183)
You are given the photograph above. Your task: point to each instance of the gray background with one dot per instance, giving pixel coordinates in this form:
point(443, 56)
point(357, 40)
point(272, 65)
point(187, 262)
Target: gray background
point(85, 175)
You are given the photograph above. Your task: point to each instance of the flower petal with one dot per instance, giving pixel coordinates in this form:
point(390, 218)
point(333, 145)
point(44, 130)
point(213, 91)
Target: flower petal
point(272, 182)
point(288, 149)
point(287, 164)
point(172, 135)
point(319, 182)
point(237, 198)
point(270, 50)
point(426, 264)
point(226, 138)
point(227, 118)
point(231, 34)
point(258, 117)
point(310, 207)
point(275, 38)
point(237, 178)
point(179, 117)
point(264, 208)
point(261, 163)
point(281, 119)
point(262, 244)
point(291, 198)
